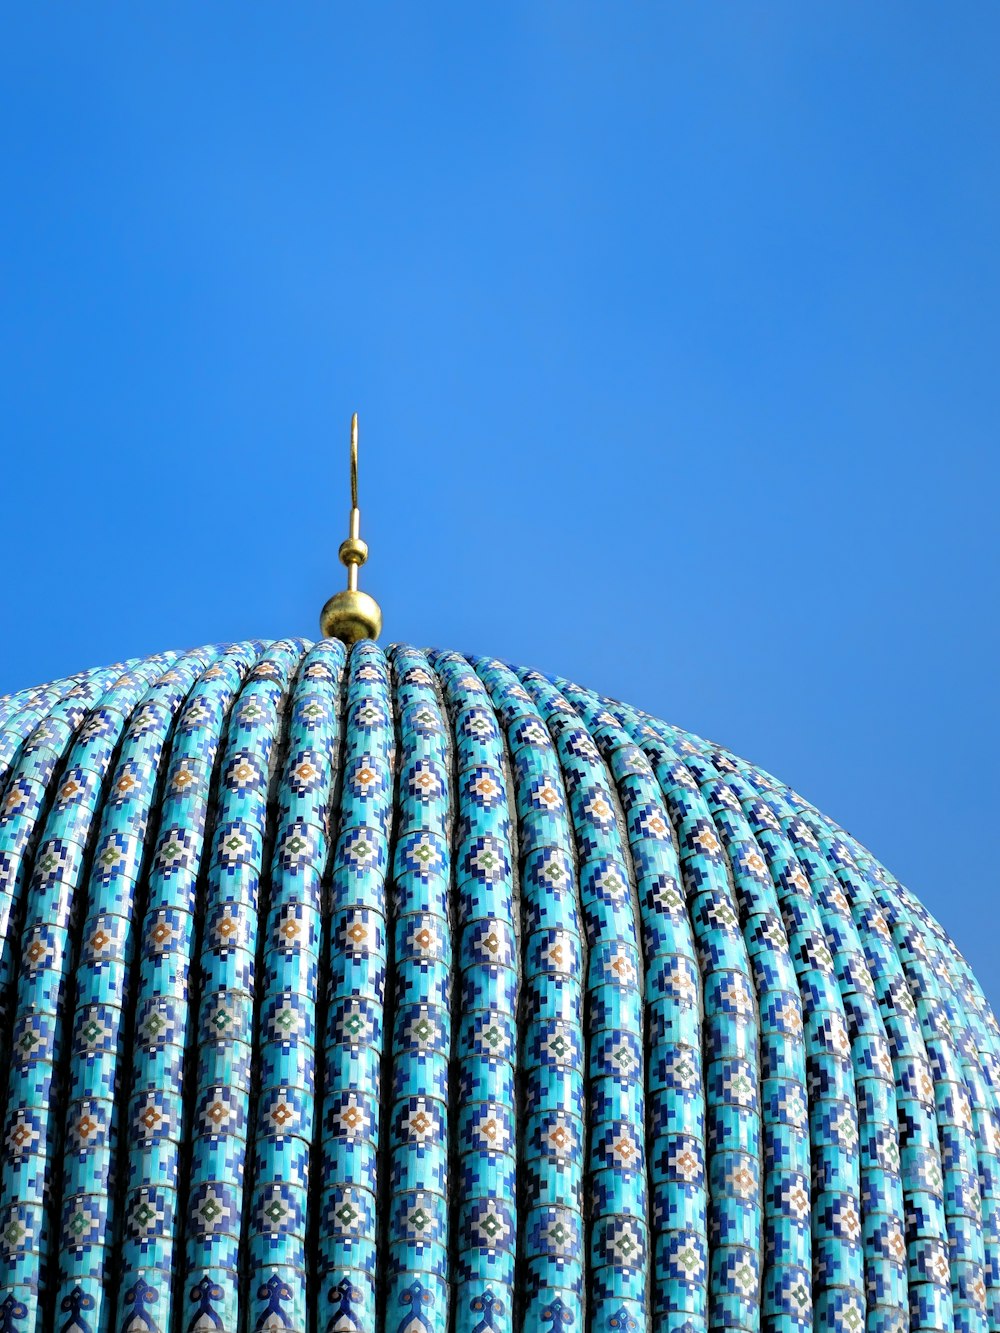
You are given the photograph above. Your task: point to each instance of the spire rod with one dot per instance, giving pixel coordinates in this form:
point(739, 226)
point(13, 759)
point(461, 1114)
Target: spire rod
point(351, 615)
point(354, 460)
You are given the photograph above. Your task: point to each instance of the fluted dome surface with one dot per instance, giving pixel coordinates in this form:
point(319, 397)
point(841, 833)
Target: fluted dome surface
point(408, 991)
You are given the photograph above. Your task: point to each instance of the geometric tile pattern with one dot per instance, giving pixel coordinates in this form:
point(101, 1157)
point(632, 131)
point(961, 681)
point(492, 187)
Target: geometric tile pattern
point(400, 990)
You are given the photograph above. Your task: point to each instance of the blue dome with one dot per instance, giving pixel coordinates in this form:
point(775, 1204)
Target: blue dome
point(408, 991)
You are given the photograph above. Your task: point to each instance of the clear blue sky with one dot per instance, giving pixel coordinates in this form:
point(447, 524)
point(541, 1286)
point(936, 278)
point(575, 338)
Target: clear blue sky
point(673, 330)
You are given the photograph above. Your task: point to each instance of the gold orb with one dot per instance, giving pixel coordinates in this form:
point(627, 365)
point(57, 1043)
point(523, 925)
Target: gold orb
point(353, 551)
point(351, 616)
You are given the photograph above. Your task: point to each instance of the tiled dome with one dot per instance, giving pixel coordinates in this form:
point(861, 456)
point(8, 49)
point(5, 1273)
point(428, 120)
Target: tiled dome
point(410, 991)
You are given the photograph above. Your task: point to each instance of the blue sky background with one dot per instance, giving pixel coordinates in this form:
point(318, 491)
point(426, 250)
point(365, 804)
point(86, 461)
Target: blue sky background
point(673, 331)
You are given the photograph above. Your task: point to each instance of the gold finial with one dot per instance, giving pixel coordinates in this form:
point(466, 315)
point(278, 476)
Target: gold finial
point(352, 615)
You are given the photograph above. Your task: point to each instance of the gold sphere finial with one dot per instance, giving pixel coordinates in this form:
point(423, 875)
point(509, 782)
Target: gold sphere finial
point(351, 615)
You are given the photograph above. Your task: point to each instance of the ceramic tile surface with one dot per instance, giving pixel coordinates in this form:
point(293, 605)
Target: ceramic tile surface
point(400, 990)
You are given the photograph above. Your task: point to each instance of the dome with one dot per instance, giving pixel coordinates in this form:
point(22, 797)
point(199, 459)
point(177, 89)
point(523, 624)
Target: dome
point(344, 989)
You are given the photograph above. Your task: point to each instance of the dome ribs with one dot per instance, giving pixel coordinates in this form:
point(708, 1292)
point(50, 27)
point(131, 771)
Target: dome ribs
point(946, 1254)
point(485, 1008)
point(972, 1040)
point(38, 1080)
point(421, 1106)
point(928, 1267)
point(963, 1205)
point(282, 1272)
point(817, 927)
point(616, 1181)
point(353, 1115)
point(676, 1183)
point(156, 1125)
point(945, 1238)
point(732, 1249)
point(21, 714)
point(775, 1008)
point(882, 1199)
point(551, 1238)
point(217, 1202)
point(27, 799)
point(878, 1226)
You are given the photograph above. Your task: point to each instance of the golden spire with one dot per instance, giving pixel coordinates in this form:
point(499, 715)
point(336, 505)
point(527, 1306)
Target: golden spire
point(352, 615)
